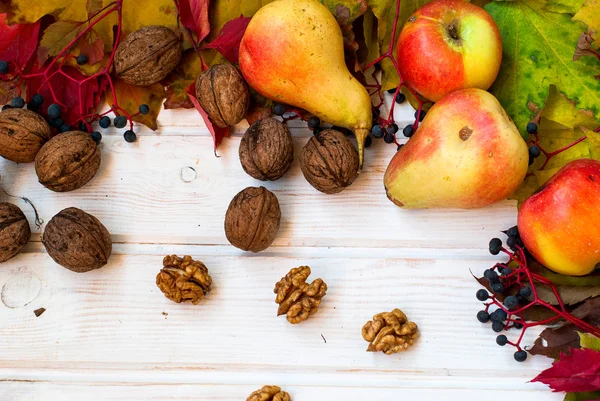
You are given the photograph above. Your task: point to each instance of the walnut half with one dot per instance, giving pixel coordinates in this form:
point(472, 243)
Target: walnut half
point(184, 279)
point(269, 393)
point(296, 297)
point(390, 332)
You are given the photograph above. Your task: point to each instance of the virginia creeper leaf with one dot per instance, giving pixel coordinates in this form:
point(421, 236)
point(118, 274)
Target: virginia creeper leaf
point(564, 6)
point(180, 78)
point(228, 41)
point(589, 311)
point(557, 341)
point(33, 10)
point(18, 42)
point(217, 133)
point(56, 37)
point(8, 90)
point(568, 294)
point(538, 49)
point(592, 279)
point(193, 15)
point(577, 372)
point(589, 341)
point(130, 98)
point(592, 396)
point(589, 14)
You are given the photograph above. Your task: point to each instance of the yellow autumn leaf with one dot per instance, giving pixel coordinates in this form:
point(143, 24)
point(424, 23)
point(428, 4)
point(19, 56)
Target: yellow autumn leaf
point(27, 11)
point(590, 15)
point(131, 97)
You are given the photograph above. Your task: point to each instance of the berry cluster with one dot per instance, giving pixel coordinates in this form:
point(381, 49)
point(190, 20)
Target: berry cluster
point(512, 291)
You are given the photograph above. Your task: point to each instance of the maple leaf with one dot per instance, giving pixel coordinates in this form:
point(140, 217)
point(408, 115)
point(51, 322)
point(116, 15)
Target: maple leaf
point(217, 133)
point(193, 14)
point(130, 98)
point(18, 42)
point(577, 372)
point(228, 41)
point(180, 78)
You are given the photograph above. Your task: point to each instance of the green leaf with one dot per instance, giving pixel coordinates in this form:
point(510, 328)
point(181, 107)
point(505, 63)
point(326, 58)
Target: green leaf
point(582, 396)
point(564, 6)
point(589, 341)
point(538, 50)
point(562, 279)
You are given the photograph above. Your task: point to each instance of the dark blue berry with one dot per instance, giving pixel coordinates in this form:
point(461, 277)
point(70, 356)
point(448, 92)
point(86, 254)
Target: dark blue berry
point(144, 109)
point(511, 302)
point(483, 316)
point(421, 115)
point(96, 136)
point(497, 326)
point(400, 98)
point(314, 122)
point(130, 136)
point(482, 295)
point(535, 151)
point(495, 246)
point(32, 107)
point(525, 292)
point(56, 122)
point(377, 131)
point(389, 138)
point(83, 127)
point(392, 128)
point(513, 231)
point(502, 316)
point(3, 67)
point(54, 110)
point(317, 131)
point(408, 131)
point(104, 122)
point(82, 59)
point(520, 356)
point(501, 340)
point(511, 242)
point(17, 102)
point(6, 106)
point(392, 91)
point(532, 128)
point(37, 99)
point(490, 275)
point(400, 147)
point(505, 271)
point(65, 128)
point(518, 325)
point(120, 121)
point(531, 160)
point(278, 109)
point(497, 287)
point(368, 141)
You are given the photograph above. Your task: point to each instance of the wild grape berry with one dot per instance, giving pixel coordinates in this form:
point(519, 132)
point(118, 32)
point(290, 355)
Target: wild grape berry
point(497, 287)
point(317, 131)
point(3, 67)
point(495, 246)
point(144, 109)
point(408, 131)
point(511, 242)
point(368, 141)
point(82, 59)
point(532, 128)
point(83, 127)
point(511, 302)
point(518, 325)
point(400, 147)
point(278, 109)
point(389, 138)
point(525, 292)
point(420, 115)
point(377, 131)
point(505, 271)
point(130, 136)
point(54, 110)
point(490, 275)
point(497, 326)
point(392, 91)
point(37, 99)
point(502, 316)
point(6, 106)
point(501, 340)
point(400, 98)
point(56, 122)
point(531, 160)
point(17, 102)
point(392, 128)
point(520, 356)
point(535, 151)
point(482, 295)
point(314, 122)
point(120, 121)
point(65, 128)
point(104, 122)
point(495, 317)
point(96, 136)
point(483, 316)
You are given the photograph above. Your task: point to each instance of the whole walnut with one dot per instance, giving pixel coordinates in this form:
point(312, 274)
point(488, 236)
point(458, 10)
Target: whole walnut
point(252, 219)
point(67, 161)
point(14, 231)
point(329, 162)
point(223, 94)
point(77, 240)
point(22, 134)
point(147, 55)
point(266, 149)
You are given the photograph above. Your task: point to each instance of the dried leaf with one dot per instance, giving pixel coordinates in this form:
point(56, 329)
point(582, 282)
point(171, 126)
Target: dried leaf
point(584, 46)
point(228, 41)
point(568, 294)
point(589, 311)
point(217, 133)
point(18, 42)
point(131, 97)
point(8, 90)
point(588, 340)
point(180, 78)
point(558, 341)
point(577, 372)
point(193, 14)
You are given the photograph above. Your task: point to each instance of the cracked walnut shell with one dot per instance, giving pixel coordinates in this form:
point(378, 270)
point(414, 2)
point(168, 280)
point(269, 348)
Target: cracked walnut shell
point(269, 393)
point(22, 134)
point(390, 332)
point(266, 150)
point(223, 94)
point(14, 231)
point(147, 55)
point(252, 219)
point(184, 279)
point(296, 298)
point(329, 162)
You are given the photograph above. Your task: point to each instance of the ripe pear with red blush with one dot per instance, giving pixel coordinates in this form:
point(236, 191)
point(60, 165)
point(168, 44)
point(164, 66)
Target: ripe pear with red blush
point(293, 52)
point(560, 223)
point(467, 153)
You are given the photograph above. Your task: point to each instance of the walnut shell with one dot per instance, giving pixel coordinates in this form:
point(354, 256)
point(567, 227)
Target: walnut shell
point(223, 94)
point(329, 162)
point(68, 161)
point(147, 55)
point(22, 134)
point(252, 219)
point(266, 149)
point(14, 231)
point(77, 240)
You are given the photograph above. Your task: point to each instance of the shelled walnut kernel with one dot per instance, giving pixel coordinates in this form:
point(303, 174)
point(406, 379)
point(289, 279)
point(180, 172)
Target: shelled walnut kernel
point(390, 332)
point(269, 393)
point(296, 297)
point(183, 279)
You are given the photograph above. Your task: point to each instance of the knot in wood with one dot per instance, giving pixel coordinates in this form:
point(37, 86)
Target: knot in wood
point(184, 279)
point(296, 298)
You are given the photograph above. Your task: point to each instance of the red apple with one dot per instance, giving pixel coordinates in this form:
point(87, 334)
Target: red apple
point(448, 45)
point(560, 223)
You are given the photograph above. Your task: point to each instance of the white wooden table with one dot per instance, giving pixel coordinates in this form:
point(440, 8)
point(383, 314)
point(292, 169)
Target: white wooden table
point(110, 334)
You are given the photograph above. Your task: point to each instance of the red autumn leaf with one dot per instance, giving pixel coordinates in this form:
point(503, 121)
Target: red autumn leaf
point(92, 46)
point(18, 42)
point(577, 372)
point(217, 133)
point(228, 40)
point(193, 14)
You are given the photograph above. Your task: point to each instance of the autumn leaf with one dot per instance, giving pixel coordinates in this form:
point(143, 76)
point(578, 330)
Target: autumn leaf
point(564, 6)
point(568, 294)
point(130, 98)
point(589, 14)
point(591, 396)
point(193, 15)
point(18, 42)
point(592, 279)
point(590, 341)
point(589, 311)
point(56, 37)
point(8, 90)
point(577, 372)
point(552, 342)
point(180, 78)
point(217, 133)
point(33, 10)
point(228, 41)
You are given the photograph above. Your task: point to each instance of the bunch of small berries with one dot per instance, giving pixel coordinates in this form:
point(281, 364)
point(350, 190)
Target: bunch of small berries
point(534, 150)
